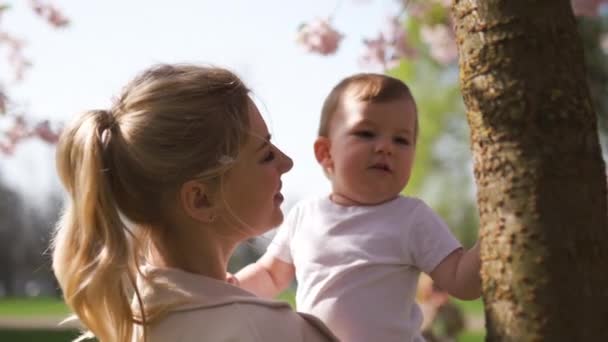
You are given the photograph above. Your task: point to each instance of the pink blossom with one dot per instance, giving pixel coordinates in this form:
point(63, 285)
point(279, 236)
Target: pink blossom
point(417, 9)
point(21, 130)
point(6, 148)
point(444, 3)
point(50, 13)
point(388, 48)
point(16, 58)
point(18, 131)
point(587, 8)
point(375, 52)
point(319, 36)
point(398, 40)
point(43, 131)
point(441, 41)
point(420, 9)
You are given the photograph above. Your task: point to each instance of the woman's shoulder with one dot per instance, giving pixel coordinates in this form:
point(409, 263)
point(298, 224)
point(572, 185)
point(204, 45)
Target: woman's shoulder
point(241, 321)
point(197, 306)
point(281, 323)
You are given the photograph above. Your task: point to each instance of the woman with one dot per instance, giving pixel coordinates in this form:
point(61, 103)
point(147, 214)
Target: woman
point(162, 188)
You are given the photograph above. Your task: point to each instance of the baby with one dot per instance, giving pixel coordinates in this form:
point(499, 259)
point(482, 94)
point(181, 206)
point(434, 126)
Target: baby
point(357, 253)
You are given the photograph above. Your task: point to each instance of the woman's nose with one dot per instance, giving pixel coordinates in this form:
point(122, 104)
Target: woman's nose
point(286, 162)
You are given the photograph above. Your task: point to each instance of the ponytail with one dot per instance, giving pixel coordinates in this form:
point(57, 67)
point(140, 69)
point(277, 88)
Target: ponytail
point(92, 257)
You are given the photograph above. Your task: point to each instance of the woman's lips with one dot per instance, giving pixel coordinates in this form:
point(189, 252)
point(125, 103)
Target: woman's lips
point(278, 198)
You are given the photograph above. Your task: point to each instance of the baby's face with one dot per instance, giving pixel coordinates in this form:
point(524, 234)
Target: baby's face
point(372, 147)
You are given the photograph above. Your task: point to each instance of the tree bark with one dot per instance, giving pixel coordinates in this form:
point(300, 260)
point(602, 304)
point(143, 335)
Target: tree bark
point(539, 171)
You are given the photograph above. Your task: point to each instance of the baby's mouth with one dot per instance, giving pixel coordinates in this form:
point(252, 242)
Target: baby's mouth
point(381, 167)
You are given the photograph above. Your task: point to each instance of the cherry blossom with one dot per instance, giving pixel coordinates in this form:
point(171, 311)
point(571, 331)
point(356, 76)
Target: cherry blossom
point(444, 3)
point(16, 58)
point(319, 36)
point(441, 41)
point(50, 13)
point(388, 48)
point(397, 36)
point(385, 49)
point(18, 129)
point(45, 132)
point(419, 9)
point(21, 130)
point(15, 46)
point(375, 52)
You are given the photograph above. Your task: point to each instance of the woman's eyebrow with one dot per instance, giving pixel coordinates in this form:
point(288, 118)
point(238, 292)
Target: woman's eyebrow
point(265, 142)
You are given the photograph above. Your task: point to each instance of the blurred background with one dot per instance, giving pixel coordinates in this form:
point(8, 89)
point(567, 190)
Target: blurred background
point(58, 58)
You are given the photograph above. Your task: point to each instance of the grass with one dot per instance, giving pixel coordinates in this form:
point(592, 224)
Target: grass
point(40, 306)
point(470, 307)
point(35, 307)
point(15, 335)
point(472, 336)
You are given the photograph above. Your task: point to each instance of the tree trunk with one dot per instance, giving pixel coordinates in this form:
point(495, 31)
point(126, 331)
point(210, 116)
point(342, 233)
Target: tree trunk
point(538, 168)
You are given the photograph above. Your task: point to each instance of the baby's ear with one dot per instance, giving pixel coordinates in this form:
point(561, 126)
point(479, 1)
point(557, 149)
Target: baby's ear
point(322, 147)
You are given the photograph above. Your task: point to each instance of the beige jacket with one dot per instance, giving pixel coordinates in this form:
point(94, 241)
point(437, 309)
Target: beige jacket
point(216, 311)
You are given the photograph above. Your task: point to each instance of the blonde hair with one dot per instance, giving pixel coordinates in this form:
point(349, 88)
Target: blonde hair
point(172, 123)
point(365, 87)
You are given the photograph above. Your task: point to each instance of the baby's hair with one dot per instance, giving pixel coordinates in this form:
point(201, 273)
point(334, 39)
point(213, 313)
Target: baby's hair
point(365, 87)
point(171, 124)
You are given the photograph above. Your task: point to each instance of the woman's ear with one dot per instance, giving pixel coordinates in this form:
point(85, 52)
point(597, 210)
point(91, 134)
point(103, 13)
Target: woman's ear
point(322, 152)
point(196, 201)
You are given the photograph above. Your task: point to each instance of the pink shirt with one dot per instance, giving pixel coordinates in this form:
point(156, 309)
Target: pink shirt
point(215, 311)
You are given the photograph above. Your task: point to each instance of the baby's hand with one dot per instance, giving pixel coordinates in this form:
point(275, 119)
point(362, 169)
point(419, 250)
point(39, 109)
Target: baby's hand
point(231, 279)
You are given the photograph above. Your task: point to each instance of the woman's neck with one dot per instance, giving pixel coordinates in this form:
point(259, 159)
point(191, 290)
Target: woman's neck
point(200, 253)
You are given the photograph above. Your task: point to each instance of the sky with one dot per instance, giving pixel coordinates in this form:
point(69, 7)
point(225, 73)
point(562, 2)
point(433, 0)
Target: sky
point(83, 66)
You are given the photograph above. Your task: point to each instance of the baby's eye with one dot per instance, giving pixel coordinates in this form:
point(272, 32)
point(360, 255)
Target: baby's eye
point(365, 134)
point(402, 141)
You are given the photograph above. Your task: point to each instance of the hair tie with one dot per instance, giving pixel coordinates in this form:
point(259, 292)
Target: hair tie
point(226, 160)
point(106, 127)
point(106, 135)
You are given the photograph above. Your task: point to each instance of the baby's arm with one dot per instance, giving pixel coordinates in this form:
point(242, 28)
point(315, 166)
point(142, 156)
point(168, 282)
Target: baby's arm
point(458, 273)
point(267, 277)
